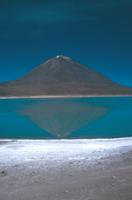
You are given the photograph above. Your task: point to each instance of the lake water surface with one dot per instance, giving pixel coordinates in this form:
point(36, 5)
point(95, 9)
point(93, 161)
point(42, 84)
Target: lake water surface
point(70, 118)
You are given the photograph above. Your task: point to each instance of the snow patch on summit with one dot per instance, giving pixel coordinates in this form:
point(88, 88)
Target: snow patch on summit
point(63, 57)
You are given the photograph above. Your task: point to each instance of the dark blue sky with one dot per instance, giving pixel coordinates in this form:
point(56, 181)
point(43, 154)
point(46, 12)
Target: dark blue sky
point(97, 33)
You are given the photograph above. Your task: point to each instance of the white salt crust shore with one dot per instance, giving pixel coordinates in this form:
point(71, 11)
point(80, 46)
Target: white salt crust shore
point(61, 96)
point(61, 150)
point(91, 169)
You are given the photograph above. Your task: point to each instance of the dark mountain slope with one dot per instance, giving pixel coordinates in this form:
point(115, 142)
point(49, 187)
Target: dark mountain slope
point(62, 76)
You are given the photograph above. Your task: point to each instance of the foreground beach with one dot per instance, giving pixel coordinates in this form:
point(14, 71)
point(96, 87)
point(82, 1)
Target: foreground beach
point(66, 169)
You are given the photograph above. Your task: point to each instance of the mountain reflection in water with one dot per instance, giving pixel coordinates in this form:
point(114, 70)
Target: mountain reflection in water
point(61, 119)
point(66, 118)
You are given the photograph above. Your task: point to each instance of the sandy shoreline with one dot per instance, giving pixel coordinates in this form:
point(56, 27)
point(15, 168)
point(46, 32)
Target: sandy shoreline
point(96, 169)
point(61, 96)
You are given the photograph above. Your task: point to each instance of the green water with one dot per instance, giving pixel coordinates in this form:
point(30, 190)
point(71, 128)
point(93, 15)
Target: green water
point(71, 118)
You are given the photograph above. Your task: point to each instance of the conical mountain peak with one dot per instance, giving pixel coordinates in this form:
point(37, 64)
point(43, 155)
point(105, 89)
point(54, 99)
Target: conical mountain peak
point(58, 59)
point(62, 76)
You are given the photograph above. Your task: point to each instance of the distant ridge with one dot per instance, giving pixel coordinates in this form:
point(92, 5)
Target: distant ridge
point(62, 76)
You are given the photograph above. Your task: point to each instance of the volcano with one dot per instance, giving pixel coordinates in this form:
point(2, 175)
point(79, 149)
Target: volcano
point(62, 76)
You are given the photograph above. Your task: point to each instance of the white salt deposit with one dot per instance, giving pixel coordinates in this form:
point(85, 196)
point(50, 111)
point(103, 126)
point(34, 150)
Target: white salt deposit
point(21, 151)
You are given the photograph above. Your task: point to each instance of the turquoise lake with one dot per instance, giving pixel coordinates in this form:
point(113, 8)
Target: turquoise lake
point(66, 118)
